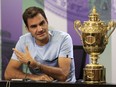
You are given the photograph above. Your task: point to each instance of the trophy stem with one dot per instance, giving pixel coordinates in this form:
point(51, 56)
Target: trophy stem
point(94, 58)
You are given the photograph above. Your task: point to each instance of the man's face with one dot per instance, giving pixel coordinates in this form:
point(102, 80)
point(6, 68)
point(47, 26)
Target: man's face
point(38, 27)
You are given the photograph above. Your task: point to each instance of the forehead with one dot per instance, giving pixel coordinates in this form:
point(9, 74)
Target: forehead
point(38, 18)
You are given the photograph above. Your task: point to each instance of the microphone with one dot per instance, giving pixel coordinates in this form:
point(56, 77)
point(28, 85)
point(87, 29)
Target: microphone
point(26, 79)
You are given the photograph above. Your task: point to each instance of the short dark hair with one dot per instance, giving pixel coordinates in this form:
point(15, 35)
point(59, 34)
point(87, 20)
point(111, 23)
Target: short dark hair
point(32, 12)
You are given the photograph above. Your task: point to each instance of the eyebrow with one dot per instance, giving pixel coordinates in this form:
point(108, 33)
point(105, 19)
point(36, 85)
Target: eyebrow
point(35, 25)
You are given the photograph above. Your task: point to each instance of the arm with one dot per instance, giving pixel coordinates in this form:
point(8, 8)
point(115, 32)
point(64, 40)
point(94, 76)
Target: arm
point(13, 68)
point(60, 73)
point(13, 71)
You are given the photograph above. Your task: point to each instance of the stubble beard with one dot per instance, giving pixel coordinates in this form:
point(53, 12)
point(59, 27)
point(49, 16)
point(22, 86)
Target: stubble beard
point(43, 39)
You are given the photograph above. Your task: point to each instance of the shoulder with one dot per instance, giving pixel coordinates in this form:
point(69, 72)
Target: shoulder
point(26, 38)
point(60, 34)
point(27, 35)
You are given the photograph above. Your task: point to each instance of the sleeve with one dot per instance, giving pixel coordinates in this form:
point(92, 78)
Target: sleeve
point(66, 47)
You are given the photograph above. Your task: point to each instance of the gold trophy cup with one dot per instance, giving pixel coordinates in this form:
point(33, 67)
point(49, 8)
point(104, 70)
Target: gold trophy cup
point(94, 36)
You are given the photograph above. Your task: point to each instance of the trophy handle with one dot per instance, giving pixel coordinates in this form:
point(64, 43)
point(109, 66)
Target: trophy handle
point(77, 25)
point(111, 25)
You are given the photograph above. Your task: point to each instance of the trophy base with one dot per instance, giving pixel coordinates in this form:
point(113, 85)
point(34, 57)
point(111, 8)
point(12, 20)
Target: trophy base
point(94, 73)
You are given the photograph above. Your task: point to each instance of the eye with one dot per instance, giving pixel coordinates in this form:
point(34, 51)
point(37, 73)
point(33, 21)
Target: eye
point(42, 23)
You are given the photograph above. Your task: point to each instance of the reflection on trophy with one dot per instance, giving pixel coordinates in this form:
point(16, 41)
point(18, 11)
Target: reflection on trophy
point(94, 36)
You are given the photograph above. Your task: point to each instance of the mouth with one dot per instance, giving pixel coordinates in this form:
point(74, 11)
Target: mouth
point(41, 34)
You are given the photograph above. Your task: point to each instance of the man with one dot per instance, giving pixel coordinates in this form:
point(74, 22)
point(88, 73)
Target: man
point(48, 53)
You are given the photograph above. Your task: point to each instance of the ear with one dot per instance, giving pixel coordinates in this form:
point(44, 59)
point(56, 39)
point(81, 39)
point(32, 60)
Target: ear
point(47, 20)
point(27, 29)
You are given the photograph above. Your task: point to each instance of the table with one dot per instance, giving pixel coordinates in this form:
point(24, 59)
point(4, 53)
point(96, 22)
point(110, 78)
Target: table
point(4, 83)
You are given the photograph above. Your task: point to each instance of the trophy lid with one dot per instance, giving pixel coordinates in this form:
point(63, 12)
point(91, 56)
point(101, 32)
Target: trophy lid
point(94, 16)
point(94, 24)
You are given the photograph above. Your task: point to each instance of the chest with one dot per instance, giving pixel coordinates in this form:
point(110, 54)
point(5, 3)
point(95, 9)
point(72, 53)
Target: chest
point(47, 54)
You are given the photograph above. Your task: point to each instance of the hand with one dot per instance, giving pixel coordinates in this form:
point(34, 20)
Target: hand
point(42, 77)
point(24, 57)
